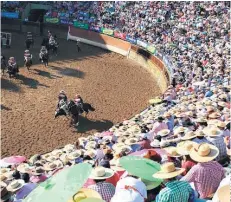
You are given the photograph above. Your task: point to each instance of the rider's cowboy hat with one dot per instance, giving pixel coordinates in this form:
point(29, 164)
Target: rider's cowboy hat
point(100, 173)
point(204, 152)
point(168, 170)
point(27, 51)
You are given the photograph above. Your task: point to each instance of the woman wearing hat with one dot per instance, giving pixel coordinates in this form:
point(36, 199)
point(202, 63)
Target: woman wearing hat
point(200, 174)
point(173, 189)
point(157, 126)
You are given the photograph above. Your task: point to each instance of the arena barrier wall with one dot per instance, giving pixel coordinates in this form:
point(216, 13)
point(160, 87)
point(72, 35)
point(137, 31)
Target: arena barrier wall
point(99, 40)
point(154, 65)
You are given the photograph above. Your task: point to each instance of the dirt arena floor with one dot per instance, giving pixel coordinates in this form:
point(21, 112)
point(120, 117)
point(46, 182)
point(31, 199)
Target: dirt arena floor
point(117, 87)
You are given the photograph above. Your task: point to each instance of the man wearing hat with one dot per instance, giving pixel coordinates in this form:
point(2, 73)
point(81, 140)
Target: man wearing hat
point(105, 189)
point(174, 190)
point(207, 174)
point(158, 126)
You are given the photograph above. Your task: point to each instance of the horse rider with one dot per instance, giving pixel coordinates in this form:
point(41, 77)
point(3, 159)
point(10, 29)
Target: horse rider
point(52, 41)
point(79, 101)
point(49, 34)
point(62, 96)
point(43, 52)
point(77, 44)
point(12, 63)
point(27, 56)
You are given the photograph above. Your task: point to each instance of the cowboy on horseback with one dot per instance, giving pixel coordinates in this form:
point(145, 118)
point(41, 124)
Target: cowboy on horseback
point(12, 66)
point(43, 52)
point(79, 101)
point(27, 56)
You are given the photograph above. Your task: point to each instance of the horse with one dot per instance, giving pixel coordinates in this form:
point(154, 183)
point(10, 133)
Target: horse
point(87, 108)
point(28, 63)
point(44, 58)
point(53, 47)
point(29, 43)
point(3, 64)
point(12, 70)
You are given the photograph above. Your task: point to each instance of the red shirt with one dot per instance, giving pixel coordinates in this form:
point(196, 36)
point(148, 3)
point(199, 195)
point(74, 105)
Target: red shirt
point(187, 165)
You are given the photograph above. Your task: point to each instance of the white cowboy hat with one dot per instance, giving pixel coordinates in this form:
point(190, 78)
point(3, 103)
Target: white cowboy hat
point(57, 152)
point(124, 148)
point(24, 168)
point(91, 153)
point(90, 145)
point(38, 171)
point(53, 165)
point(100, 173)
point(155, 143)
point(212, 131)
point(74, 155)
point(69, 148)
point(204, 152)
point(180, 129)
point(15, 185)
point(131, 141)
point(163, 132)
point(189, 135)
point(168, 170)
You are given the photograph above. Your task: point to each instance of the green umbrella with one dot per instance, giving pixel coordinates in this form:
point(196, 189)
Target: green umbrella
point(62, 186)
point(140, 167)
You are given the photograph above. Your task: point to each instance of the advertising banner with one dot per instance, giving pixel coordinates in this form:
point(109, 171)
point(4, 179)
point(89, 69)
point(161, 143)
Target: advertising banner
point(151, 49)
point(52, 20)
point(9, 15)
point(131, 40)
point(107, 31)
point(120, 35)
point(141, 43)
point(81, 25)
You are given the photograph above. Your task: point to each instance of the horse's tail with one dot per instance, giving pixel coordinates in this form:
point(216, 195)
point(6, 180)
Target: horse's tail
point(91, 108)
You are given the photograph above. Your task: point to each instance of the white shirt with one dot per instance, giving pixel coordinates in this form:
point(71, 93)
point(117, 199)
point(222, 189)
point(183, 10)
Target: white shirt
point(133, 182)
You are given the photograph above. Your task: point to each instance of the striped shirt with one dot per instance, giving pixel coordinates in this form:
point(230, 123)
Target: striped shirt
point(106, 190)
point(179, 191)
point(220, 144)
point(206, 177)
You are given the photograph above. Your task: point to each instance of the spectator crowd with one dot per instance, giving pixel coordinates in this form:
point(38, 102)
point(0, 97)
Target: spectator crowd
point(182, 139)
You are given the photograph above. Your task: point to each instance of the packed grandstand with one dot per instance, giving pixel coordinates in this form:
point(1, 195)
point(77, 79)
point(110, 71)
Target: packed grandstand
point(178, 149)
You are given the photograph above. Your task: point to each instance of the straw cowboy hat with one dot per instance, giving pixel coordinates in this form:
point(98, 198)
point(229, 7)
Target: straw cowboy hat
point(15, 185)
point(204, 152)
point(118, 145)
point(172, 152)
point(91, 153)
point(57, 152)
point(215, 115)
point(223, 193)
point(168, 170)
point(9, 175)
point(85, 193)
point(212, 131)
point(183, 148)
point(221, 124)
point(53, 165)
point(90, 145)
point(200, 133)
point(180, 129)
point(163, 132)
point(131, 141)
point(213, 122)
point(74, 155)
point(201, 120)
point(4, 170)
point(100, 173)
point(38, 171)
point(189, 135)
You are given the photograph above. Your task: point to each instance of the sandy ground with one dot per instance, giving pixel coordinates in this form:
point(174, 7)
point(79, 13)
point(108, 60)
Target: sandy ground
point(117, 87)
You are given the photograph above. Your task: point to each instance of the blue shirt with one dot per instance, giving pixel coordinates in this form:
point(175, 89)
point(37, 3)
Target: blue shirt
point(170, 123)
